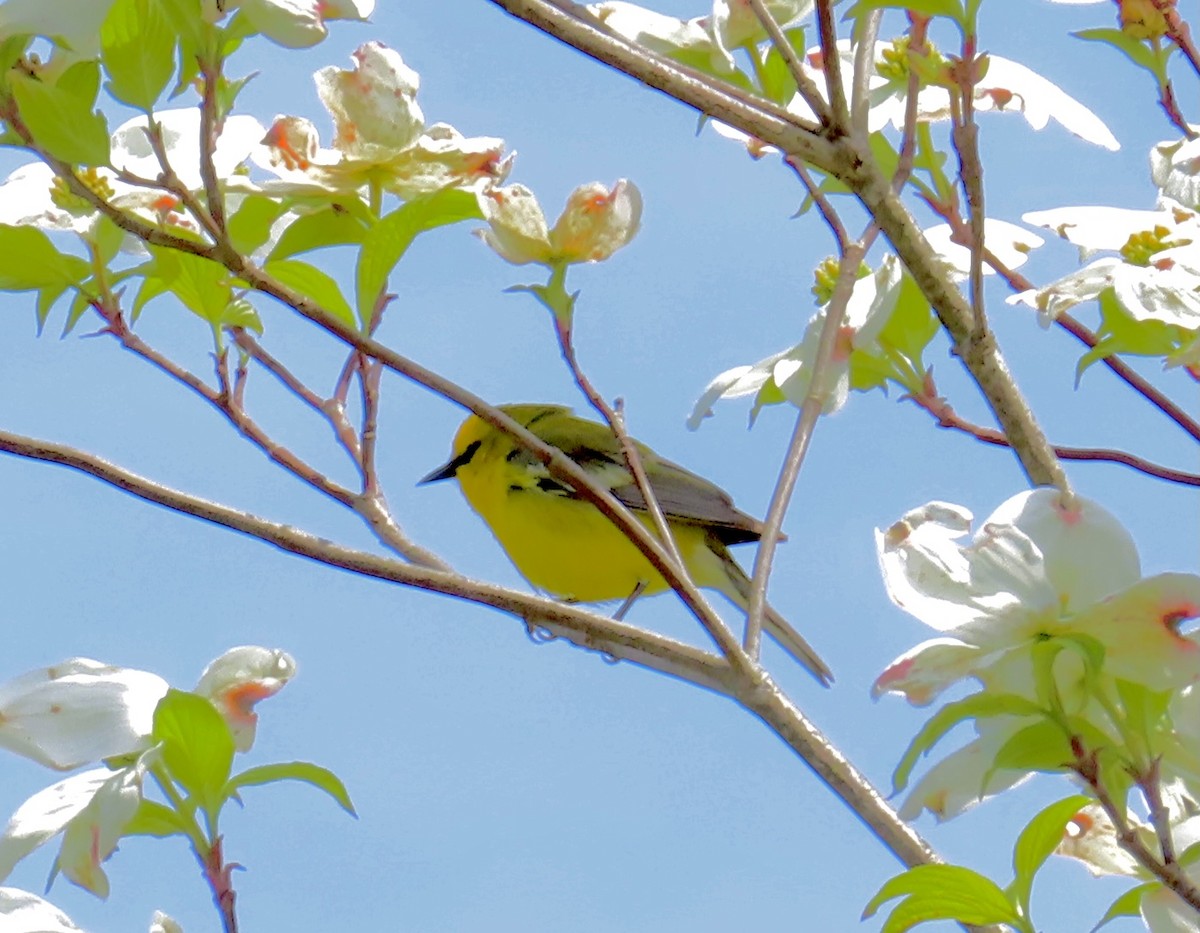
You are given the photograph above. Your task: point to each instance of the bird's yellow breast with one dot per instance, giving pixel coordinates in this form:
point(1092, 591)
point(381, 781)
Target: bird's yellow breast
point(564, 545)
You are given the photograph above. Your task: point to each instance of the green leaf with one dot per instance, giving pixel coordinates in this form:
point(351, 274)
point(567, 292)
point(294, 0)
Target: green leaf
point(1045, 685)
point(203, 286)
point(82, 81)
point(1136, 50)
point(186, 20)
point(61, 116)
point(12, 48)
point(313, 283)
point(1042, 746)
point(137, 47)
point(387, 241)
point(775, 78)
point(942, 892)
point(330, 227)
point(155, 819)
point(197, 745)
point(976, 706)
point(318, 777)
point(1145, 709)
point(1128, 904)
point(912, 325)
point(79, 306)
point(152, 287)
point(28, 261)
point(45, 302)
point(250, 225)
point(106, 238)
point(1038, 841)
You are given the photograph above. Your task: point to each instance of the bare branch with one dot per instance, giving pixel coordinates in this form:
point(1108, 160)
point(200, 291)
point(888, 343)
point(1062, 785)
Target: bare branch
point(585, 629)
point(948, 418)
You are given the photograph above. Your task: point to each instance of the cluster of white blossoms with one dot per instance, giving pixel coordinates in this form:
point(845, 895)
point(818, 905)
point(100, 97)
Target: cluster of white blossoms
point(84, 712)
point(1154, 275)
point(1046, 610)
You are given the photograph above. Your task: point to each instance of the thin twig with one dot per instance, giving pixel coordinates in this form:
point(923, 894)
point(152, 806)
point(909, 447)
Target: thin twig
point(1171, 875)
point(169, 181)
point(825, 207)
point(616, 423)
point(965, 136)
point(946, 417)
point(211, 121)
point(368, 377)
point(223, 401)
point(257, 352)
point(808, 90)
point(1179, 32)
point(867, 29)
point(219, 874)
point(814, 403)
point(918, 30)
point(831, 64)
point(1150, 785)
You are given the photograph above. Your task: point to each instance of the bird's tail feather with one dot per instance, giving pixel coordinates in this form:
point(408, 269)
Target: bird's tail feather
point(738, 592)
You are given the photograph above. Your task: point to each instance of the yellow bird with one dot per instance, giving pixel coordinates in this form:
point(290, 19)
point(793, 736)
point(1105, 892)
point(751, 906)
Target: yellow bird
point(564, 545)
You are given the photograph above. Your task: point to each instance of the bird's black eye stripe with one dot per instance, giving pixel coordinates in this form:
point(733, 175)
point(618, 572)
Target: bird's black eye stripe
point(465, 457)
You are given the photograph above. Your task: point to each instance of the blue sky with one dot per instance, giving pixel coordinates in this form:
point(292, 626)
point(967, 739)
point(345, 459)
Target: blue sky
point(503, 785)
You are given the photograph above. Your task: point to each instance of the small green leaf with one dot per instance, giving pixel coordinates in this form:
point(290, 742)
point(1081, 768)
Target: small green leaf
point(28, 261)
point(1042, 746)
point(912, 325)
point(387, 241)
point(1135, 50)
point(61, 118)
point(81, 81)
point(1045, 685)
point(197, 744)
point(154, 819)
point(942, 892)
point(250, 225)
point(775, 77)
point(186, 20)
point(1145, 709)
point(152, 287)
point(79, 306)
point(1038, 841)
point(46, 298)
point(976, 706)
point(203, 286)
point(106, 238)
point(12, 48)
point(313, 283)
point(330, 227)
point(1128, 904)
point(318, 777)
point(137, 47)
point(1119, 332)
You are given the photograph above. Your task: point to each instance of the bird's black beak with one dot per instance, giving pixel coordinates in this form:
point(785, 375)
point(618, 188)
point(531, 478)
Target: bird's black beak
point(447, 470)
